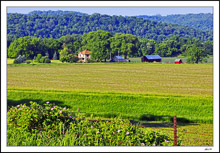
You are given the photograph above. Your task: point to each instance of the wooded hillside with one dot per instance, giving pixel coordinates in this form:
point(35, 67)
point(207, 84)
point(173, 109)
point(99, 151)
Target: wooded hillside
point(57, 24)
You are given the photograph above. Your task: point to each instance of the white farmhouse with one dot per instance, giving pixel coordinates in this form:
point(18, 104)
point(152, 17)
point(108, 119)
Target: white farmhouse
point(84, 55)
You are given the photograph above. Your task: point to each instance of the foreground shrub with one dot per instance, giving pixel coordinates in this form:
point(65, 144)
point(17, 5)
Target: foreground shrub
point(36, 116)
point(51, 125)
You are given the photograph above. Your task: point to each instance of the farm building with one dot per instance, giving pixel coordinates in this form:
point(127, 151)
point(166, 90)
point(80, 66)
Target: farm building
point(84, 55)
point(178, 61)
point(151, 58)
point(120, 59)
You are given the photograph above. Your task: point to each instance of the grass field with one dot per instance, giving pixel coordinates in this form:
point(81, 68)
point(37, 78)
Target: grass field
point(136, 91)
point(185, 79)
point(135, 107)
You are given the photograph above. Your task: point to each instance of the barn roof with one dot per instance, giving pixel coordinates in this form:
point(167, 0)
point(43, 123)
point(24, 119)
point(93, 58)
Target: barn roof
point(152, 56)
point(177, 60)
point(119, 57)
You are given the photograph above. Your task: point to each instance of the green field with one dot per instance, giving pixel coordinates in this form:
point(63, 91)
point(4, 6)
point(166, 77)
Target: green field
point(136, 91)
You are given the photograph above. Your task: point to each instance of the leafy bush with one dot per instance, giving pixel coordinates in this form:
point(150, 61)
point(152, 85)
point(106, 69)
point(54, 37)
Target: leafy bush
point(36, 116)
point(45, 59)
point(36, 124)
point(42, 59)
point(38, 57)
point(72, 58)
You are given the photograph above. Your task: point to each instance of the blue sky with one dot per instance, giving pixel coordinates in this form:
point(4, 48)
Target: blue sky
point(124, 11)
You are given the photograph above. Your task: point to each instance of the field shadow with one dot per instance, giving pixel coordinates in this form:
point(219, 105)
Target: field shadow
point(11, 103)
point(149, 117)
point(161, 121)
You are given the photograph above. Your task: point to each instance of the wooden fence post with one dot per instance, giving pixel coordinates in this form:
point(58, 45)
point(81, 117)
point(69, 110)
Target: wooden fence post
point(175, 131)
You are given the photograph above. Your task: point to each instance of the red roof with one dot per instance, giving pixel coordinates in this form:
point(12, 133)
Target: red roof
point(85, 52)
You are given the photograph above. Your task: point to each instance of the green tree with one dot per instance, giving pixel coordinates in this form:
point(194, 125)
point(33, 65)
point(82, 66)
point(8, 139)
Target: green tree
point(98, 43)
point(196, 54)
point(24, 46)
point(125, 44)
point(38, 57)
point(162, 50)
point(208, 45)
point(45, 25)
point(73, 42)
point(64, 54)
point(147, 47)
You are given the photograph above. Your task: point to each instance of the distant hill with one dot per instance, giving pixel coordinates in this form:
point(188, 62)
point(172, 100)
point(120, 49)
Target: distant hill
point(59, 23)
point(202, 21)
point(54, 13)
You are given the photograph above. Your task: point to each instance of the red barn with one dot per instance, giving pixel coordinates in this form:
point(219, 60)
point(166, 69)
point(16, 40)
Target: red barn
point(151, 58)
point(178, 61)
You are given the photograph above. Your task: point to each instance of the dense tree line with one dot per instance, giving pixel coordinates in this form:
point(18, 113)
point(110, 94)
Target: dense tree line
point(173, 46)
point(55, 25)
point(201, 21)
point(31, 46)
point(103, 46)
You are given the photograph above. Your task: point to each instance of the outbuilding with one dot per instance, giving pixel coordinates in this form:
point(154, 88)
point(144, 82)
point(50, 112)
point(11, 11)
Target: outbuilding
point(120, 59)
point(151, 58)
point(178, 61)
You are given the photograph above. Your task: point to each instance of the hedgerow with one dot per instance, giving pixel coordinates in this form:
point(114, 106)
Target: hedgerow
point(51, 125)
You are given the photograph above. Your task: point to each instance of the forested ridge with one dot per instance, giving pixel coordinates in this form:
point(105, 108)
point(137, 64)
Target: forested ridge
point(54, 13)
point(55, 24)
point(201, 21)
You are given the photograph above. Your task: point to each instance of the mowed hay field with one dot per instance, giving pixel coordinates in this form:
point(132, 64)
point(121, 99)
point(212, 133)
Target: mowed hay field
point(137, 91)
point(184, 79)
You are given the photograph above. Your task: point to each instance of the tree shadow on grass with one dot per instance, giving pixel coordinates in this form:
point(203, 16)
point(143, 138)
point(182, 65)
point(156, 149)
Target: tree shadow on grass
point(11, 103)
point(148, 120)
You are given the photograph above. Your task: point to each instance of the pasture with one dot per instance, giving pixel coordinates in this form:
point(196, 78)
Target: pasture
point(136, 91)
